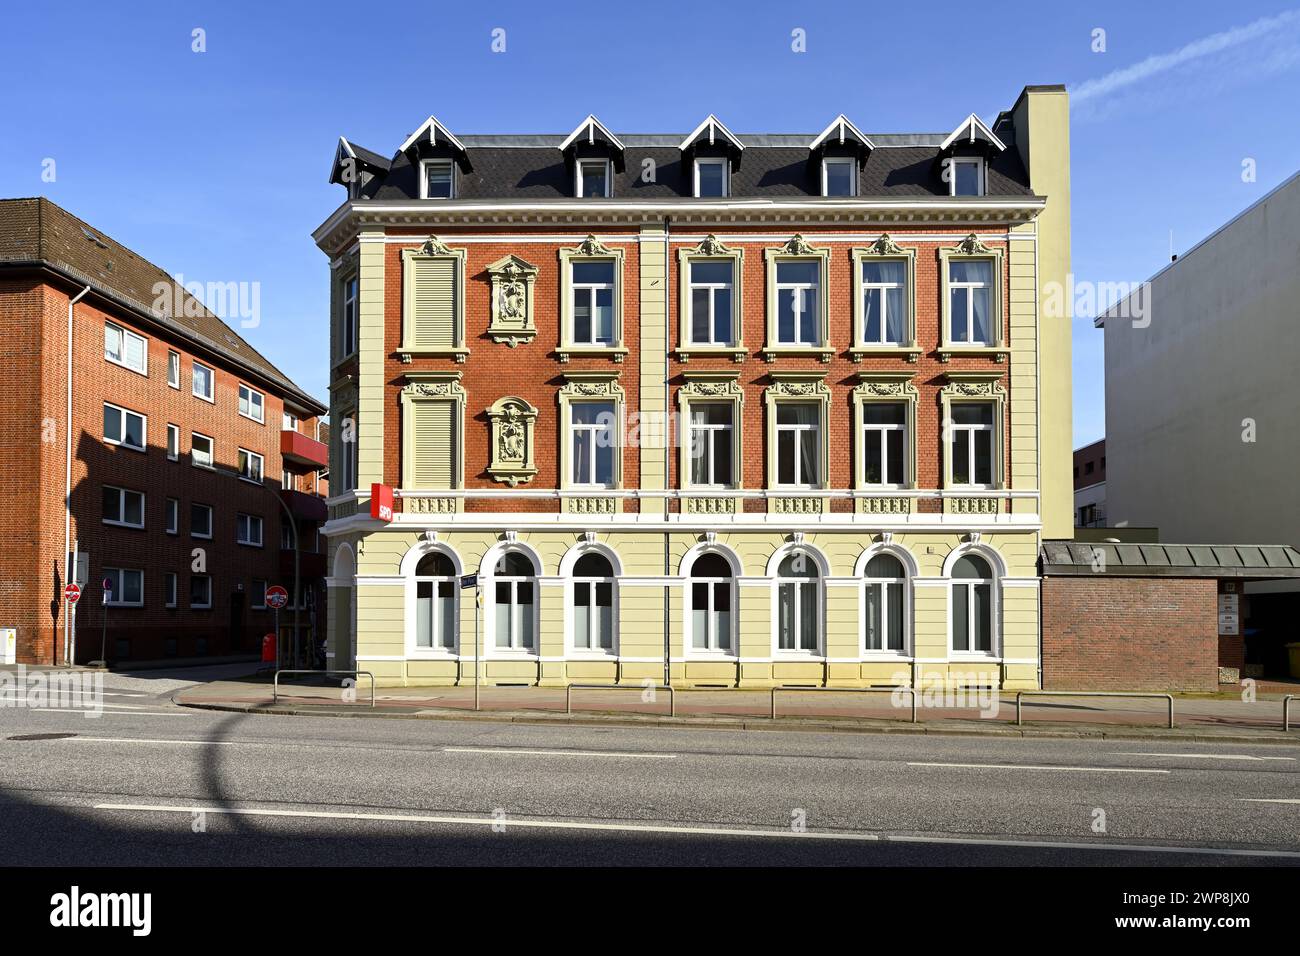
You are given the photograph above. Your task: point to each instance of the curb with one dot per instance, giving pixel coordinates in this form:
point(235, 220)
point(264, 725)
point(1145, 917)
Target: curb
point(805, 725)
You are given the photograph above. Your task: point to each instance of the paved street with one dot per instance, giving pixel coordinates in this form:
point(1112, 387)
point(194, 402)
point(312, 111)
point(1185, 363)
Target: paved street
point(127, 788)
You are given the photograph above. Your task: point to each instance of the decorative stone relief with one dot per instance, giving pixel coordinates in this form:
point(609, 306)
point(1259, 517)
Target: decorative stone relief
point(433, 246)
point(885, 246)
point(798, 388)
point(711, 245)
point(887, 506)
point(972, 246)
point(973, 506)
point(511, 421)
point(591, 246)
point(512, 301)
point(798, 246)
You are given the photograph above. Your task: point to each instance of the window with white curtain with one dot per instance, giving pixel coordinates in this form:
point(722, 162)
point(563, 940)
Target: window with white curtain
point(593, 603)
point(514, 590)
point(798, 603)
point(712, 597)
point(971, 434)
point(883, 608)
point(884, 315)
point(970, 294)
point(712, 430)
point(972, 605)
point(798, 288)
point(798, 444)
point(435, 602)
point(884, 443)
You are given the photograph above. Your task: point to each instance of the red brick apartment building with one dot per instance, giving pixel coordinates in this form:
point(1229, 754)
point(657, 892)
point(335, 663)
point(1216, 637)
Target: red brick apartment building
point(175, 443)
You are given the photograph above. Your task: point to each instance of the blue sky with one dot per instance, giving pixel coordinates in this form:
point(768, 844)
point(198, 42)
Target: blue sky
point(214, 164)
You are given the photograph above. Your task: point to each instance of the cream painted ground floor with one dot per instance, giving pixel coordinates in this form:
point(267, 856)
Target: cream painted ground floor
point(748, 608)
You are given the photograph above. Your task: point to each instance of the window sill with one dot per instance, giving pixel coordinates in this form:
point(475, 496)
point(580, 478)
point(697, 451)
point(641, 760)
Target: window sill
point(123, 524)
point(996, 353)
point(130, 368)
point(821, 353)
point(408, 355)
point(910, 353)
point(204, 398)
point(615, 353)
point(259, 421)
point(736, 353)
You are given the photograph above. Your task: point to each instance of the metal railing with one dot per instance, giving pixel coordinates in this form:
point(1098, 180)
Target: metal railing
point(568, 693)
point(1286, 710)
point(849, 690)
point(1092, 693)
point(275, 684)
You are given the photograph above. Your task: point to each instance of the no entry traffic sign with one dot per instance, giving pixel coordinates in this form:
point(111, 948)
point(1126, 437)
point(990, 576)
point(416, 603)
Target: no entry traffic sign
point(276, 597)
point(72, 593)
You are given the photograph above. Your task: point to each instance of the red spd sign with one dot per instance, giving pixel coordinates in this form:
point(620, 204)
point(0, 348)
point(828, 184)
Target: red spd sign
point(381, 502)
point(276, 597)
point(72, 593)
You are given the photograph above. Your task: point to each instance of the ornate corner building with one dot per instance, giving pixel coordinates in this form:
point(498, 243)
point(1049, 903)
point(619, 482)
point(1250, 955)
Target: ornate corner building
point(717, 409)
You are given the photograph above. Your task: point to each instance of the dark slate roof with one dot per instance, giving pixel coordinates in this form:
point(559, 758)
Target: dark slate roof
point(905, 165)
point(1082, 558)
point(37, 232)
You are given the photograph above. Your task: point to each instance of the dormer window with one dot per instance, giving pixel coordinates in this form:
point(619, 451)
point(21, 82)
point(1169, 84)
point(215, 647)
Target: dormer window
point(593, 179)
point(711, 179)
point(438, 179)
point(966, 176)
point(839, 177)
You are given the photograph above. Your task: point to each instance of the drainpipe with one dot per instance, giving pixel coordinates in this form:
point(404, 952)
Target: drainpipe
point(67, 478)
point(668, 454)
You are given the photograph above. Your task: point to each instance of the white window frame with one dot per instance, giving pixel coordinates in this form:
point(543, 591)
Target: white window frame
point(119, 590)
point(121, 506)
point(829, 161)
point(981, 175)
point(200, 577)
point(574, 585)
point(450, 166)
point(880, 437)
point(726, 175)
point(819, 619)
point(590, 289)
point(212, 382)
point(709, 441)
point(261, 466)
point(260, 417)
point(172, 516)
point(816, 428)
point(906, 592)
point(124, 334)
point(212, 451)
point(122, 443)
point(173, 368)
point(413, 582)
point(799, 304)
point(212, 520)
point(993, 320)
point(516, 648)
point(169, 589)
point(972, 430)
point(712, 649)
point(595, 429)
point(713, 288)
point(348, 453)
point(244, 535)
point(348, 334)
point(173, 442)
point(967, 585)
point(288, 422)
point(578, 177)
point(883, 288)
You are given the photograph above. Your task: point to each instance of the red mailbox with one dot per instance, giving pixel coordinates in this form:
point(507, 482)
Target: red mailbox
point(268, 649)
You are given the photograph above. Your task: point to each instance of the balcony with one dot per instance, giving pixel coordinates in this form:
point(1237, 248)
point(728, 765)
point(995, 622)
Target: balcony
point(305, 507)
point(301, 452)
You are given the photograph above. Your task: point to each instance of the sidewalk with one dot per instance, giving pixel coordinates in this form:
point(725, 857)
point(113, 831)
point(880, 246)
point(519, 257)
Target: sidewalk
point(1211, 718)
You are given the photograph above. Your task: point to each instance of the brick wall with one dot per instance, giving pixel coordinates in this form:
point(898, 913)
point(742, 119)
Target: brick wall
point(1109, 633)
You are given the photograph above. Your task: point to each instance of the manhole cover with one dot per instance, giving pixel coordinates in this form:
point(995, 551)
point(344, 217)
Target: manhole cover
point(41, 736)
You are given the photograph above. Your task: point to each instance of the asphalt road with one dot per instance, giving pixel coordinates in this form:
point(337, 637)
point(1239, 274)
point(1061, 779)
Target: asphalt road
point(149, 783)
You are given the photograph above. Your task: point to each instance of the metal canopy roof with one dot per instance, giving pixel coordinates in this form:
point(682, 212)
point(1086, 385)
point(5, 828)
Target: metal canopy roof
point(1260, 561)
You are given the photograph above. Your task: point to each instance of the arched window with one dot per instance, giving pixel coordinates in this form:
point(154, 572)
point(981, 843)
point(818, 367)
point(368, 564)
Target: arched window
point(593, 603)
point(883, 607)
point(514, 601)
point(798, 603)
point(972, 605)
point(712, 598)
point(435, 602)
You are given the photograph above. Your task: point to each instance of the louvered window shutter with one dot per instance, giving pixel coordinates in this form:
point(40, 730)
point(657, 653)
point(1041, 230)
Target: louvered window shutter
point(434, 448)
point(433, 325)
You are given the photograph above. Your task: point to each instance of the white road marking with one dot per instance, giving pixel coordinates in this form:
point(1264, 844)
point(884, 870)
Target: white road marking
point(1136, 753)
point(85, 711)
point(1022, 766)
point(161, 740)
point(1265, 800)
point(693, 830)
point(556, 753)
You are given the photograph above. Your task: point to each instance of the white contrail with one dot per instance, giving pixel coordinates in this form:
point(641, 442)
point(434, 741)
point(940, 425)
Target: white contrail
point(1162, 62)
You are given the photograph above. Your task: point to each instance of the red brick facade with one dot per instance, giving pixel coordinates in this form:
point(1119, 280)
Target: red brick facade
point(33, 430)
point(1111, 633)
